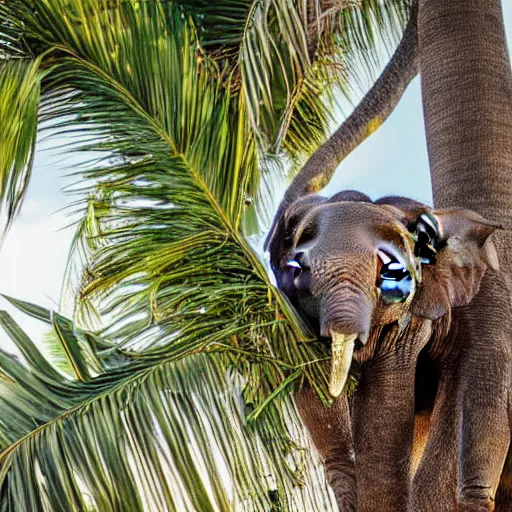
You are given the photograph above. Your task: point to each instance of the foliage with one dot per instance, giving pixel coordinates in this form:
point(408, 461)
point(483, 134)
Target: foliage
point(130, 433)
point(184, 101)
point(20, 85)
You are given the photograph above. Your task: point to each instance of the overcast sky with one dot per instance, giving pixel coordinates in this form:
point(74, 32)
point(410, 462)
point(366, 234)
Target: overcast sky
point(32, 261)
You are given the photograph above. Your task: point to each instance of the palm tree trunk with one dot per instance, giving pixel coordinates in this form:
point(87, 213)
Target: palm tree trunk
point(467, 98)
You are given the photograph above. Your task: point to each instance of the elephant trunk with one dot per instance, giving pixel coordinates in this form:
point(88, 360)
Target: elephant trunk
point(347, 321)
point(348, 310)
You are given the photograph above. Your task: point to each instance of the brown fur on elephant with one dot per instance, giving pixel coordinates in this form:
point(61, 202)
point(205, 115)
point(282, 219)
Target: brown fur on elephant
point(452, 341)
point(332, 257)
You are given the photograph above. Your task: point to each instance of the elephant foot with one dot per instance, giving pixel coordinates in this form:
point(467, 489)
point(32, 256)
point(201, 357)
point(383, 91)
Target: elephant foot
point(476, 504)
point(343, 483)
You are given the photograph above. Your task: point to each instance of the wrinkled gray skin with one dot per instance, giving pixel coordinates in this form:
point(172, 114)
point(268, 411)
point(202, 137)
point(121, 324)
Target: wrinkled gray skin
point(459, 445)
point(368, 442)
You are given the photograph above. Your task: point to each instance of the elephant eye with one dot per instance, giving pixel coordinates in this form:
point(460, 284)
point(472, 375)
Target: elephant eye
point(293, 267)
point(427, 238)
point(394, 280)
point(295, 277)
point(287, 276)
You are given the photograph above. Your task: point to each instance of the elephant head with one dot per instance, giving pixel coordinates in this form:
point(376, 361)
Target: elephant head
point(352, 267)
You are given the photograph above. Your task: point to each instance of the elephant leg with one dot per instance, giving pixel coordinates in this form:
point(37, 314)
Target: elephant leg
point(504, 492)
point(484, 330)
point(485, 441)
point(383, 423)
point(485, 438)
point(330, 430)
point(434, 486)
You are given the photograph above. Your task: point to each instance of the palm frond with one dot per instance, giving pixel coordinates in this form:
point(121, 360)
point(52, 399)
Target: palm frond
point(167, 261)
point(284, 52)
point(271, 47)
point(142, 64)
point(291, 54)
point(368, 29)
point(19, 102)
point(144, 435)
point(282, 57)
point(172, 266)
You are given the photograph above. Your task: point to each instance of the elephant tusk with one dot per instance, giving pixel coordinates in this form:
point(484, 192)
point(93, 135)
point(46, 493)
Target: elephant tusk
point(342, 350)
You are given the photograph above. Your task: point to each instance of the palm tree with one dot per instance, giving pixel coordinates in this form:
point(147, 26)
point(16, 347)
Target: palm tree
point(467, 100)
point(178, 400)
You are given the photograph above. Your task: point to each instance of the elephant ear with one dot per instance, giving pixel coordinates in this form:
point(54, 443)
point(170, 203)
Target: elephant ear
point(464, 253)
point(279, 239)
point(289, 216)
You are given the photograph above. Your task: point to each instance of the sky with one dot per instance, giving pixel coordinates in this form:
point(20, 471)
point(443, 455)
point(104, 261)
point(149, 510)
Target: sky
point(32, 260)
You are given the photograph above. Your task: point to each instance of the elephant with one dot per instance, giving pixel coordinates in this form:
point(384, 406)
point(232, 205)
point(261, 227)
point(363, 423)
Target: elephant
point(386, 283)
point(449, 455)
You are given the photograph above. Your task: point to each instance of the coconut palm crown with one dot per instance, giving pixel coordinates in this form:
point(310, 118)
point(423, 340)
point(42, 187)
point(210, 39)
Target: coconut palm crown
point(167, 390)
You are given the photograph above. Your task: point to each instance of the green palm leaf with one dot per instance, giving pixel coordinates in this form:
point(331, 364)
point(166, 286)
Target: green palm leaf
point(142, 434)
point(281, 58)
point(178, 164)
point(19, 102)
point(290, 54)
point(275, 50)
point(168, 263)
point(182, 119)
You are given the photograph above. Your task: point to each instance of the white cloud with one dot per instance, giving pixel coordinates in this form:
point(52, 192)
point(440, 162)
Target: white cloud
point(32, 263)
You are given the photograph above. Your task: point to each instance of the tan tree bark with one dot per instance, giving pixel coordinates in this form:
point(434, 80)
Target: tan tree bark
point(467, 100)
